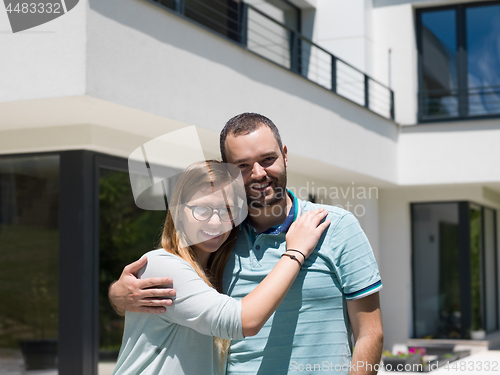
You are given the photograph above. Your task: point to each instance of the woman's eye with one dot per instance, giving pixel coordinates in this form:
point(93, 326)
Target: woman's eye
point(201, 210)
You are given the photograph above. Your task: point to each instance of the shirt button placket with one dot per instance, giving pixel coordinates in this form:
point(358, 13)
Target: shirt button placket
point(257, 255)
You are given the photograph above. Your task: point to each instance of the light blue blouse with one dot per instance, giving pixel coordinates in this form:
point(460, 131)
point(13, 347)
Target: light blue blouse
point(179, 341)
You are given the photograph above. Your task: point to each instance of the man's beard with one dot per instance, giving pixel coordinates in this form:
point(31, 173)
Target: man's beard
point(278, 188)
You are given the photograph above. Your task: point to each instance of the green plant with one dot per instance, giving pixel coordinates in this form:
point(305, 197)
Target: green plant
point(125, 234)
point(43, 316)
point(411, 352)
point(475, 259)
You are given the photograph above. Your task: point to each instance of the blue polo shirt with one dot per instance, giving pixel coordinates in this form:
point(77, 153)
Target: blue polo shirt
point(310, 330)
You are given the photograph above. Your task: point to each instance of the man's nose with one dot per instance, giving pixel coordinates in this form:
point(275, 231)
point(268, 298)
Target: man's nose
point(258, 172)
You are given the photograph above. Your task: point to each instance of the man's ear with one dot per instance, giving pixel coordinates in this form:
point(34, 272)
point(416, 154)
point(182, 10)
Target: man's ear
point(285, 157)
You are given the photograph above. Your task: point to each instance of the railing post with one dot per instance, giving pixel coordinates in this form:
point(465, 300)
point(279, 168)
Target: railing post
point(392, 105)
point(179, 6)
point(243, 24)
point(294, 53)
point(334, 74)
point(367, 91)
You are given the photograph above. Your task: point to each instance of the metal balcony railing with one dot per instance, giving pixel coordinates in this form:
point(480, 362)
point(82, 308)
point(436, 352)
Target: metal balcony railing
point(459, 104)
point(260, 33)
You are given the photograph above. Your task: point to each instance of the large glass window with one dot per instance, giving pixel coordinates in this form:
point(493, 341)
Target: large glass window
point(222, 16)
point(436, 270)
point(483, 59)
point(454, 270)
point(459, 61)
point(125, 234)
point(439, 62)
point(490, 271)
point(29, 262)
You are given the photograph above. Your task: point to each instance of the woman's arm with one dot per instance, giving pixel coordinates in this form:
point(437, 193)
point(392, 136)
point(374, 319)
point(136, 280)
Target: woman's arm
point(260, 304)
point(203, 309)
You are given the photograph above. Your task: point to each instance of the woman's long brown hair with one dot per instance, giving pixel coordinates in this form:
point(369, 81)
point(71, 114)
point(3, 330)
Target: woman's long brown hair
point(196, 177)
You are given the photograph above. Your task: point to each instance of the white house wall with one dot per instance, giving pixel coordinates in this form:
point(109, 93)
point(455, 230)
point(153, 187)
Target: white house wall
point(394, 29)
point(48, 61)
point(445, 153)
point(344, 29)
point(146, 58)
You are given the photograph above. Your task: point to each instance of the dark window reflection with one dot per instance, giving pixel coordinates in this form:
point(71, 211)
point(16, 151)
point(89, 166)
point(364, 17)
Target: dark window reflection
point(29, 261)
point(490, 271)
point(125, 233)
point(436, 276)
point(221, 16)
point(483, 59)
point(476, 244)
point(441, 309)
point(439, 59)
point(460, 61)
point(168, 3)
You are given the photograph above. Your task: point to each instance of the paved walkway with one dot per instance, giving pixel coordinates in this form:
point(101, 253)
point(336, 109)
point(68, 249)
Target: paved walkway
point(483, 363)
point(487, 363)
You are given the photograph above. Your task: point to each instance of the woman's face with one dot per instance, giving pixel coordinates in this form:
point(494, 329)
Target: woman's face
point(206, 236)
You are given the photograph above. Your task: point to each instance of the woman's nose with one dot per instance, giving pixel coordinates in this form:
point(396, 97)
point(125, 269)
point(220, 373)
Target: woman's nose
point(215, 219)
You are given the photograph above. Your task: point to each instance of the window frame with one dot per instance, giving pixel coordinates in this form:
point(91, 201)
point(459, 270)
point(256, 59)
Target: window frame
point(464, 264)
point(462, 65)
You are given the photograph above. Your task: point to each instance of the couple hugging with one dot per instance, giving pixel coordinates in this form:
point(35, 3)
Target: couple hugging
point(283, 292)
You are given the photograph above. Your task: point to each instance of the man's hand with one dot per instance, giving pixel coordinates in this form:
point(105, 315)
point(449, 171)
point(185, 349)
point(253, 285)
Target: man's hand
point(146, 296)
point(366, 322)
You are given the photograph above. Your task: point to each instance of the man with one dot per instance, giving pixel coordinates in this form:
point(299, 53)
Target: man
point(336, 290)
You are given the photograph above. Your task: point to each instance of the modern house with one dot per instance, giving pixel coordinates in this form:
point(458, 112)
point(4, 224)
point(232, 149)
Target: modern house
point(389, 108)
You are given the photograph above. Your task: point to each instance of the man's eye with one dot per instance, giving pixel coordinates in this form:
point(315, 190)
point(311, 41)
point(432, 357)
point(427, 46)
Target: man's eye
point(242, 166)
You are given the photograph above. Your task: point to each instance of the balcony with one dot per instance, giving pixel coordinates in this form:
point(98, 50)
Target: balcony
point(258, 32)
point(471, 103)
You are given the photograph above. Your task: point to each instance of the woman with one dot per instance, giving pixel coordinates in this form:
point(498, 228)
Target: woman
point(193, 335)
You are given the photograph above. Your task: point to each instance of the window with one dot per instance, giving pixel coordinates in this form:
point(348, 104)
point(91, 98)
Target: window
point(222, 16)
point(125, 234)
point(459, 63)
point(29, 262)
point(454, 270)
point(68, 226)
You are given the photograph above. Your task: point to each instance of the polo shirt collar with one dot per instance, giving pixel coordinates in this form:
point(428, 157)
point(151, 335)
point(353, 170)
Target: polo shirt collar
point(282, 228)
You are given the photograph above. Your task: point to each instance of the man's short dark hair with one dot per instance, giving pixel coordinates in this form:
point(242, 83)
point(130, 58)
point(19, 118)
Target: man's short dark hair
point(243, 124)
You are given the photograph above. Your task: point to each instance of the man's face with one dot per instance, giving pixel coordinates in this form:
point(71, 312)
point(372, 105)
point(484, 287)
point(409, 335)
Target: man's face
point(262, 165)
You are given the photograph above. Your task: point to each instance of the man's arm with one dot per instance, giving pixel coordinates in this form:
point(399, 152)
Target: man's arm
point(132, 294)
point(366, 322)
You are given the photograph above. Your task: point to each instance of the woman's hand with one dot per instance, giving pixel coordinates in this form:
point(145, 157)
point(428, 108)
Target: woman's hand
point(304, 233)
point(302, 237)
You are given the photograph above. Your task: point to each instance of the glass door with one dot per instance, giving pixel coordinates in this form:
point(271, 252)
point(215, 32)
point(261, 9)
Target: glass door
point(29, 264)
point(490, 271)
point(126, 232)
point(436, 277)
point(455, 281)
